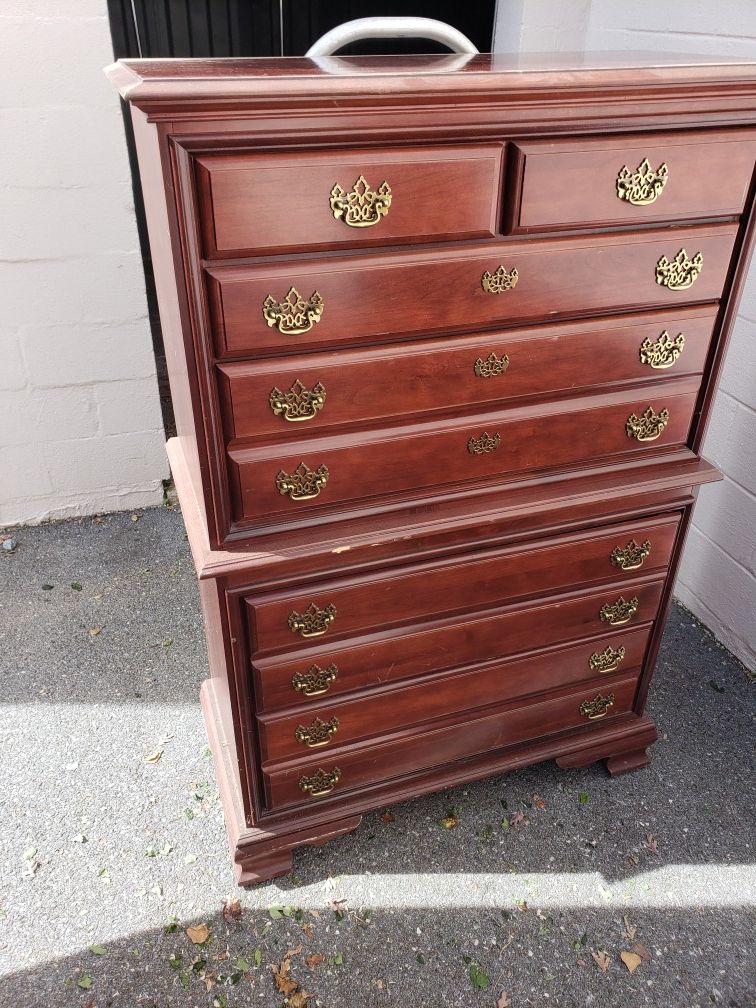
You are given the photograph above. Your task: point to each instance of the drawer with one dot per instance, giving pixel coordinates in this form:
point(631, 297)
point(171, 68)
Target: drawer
point(260, 204)
point(300, 478)
point(347, 607)
point(312, 679)
point(299, 394)
point(328, 301)
point(340, 723)
point(631, 179)
point(412, 751)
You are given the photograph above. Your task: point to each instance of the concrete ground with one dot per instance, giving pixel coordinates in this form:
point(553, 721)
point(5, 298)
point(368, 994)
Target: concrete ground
point(546, 879)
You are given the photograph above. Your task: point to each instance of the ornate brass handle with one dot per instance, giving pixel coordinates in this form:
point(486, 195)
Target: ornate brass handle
point(491, 366)
point(322, 782)
point(304, 483)
point(681, 273)
point(597, 708)
point(317, 680)
point(619, 612)
point(630, 557)
point(361, 206)
point(648, 426)
point(293, 315)
point(313, 622)
point(606, 661)
point(499, 281)
point(663, 352)
point(318, 734)
point(484, 444)
point(644, 185)
point(299, 403)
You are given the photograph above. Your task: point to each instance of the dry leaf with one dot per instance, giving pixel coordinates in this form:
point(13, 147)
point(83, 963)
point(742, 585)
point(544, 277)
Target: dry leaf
point(641, 951)
point(295, 951)
point(538, 802)
point(232, 911)
point(517, 819)
point(153, 756)
point(451, 822)
point(522, 906)
point(630, 929)
point(388, 817)
point(308, 929)
point(284, 983)
point(314, 960)
point(602, 960)
point(651, 843)
point(198, 934)
point(95, 631)
point(631, 960)
point(298, 999)
point(503, 1001)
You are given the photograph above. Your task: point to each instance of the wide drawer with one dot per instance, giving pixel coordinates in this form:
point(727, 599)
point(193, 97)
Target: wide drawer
point(312, 679)
point(313, 392)
point(414, 750)
point(334, 301)
point(260, 204)
point(340, 723)
point(631, 179)
point(347, 607)
point(297, 479)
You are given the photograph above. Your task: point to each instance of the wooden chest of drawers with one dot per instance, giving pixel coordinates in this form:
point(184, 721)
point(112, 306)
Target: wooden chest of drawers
point(443, 334)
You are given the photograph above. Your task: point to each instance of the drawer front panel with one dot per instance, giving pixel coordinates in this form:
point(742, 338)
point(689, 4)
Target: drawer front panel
point(324, 673)
point(437, 590)
point(633, 180)
point(268, 203)
point(294, 305)
point(337, 724)
point(369, 466)
point(412, 751)
point(304, 394)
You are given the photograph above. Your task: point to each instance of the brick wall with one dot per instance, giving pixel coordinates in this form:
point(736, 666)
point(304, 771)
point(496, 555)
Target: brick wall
point(717, 578)
point(82, 430)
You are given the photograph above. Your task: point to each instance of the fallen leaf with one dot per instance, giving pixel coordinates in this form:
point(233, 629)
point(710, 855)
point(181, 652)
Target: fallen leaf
point(298, 999)
point(232, 912)
point(388, 817)
point(584, 797)
point(284, 983)
point(153, 756)
point(30, 853)
point(198, 934)
point(631, 960)
point(630, 929)
point(517, 819)
point(308, 929)
point(76, 585)
point(641, 951)
point(503, 1001)
point(314, 960)
point(480, 980)
point(602, 960)
point(190, 859)
point(242, 964)
point(95, 631)
point(522, 906)
point(97, 950)
point(538, 802)
point(135, 517)
point(450, 822)
point(84, 982)
point(651, 843)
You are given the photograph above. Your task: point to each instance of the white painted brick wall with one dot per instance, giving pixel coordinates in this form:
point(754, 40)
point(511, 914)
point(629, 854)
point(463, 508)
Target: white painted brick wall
point(82, 430)
point(717, 578)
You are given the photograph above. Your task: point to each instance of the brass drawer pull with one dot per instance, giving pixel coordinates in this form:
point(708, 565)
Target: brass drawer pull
point(597, 708)
point(644, 185)
point(491, 366)
point(316, 681)
point(664, 352)
point(361, 206)
point(620, 612)
point(304, 483)
point(630, 557)
point(299, 403)
point(293, 315)
point(500, 281)
point(648, 426)
point(318, 734)
point(313, 622)
point(606, 661)
point(484, 444)
point(322, 782)
point(681, 273)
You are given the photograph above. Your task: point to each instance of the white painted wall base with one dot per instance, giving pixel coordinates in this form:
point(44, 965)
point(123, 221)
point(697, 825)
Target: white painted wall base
point(81, 430)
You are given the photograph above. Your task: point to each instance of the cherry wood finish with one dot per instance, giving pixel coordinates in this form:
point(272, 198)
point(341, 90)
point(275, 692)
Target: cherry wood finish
point(709, 174)
point(442, 574)
point(372, 297)
point(255, 204)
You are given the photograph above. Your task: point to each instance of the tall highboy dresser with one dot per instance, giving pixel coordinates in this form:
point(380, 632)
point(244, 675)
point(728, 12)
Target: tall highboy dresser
point(443, 333)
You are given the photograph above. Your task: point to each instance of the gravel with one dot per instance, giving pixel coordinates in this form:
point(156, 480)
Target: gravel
point(102, 658)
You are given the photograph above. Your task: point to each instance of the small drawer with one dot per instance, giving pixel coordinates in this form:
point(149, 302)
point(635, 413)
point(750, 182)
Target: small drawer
point(345, 608)
point(303, 394)
point(301, 478)
point(408, 752)
point(381, 712)
point(630, 180)
point(261, 204)
point(319, 676)
point(327, 301)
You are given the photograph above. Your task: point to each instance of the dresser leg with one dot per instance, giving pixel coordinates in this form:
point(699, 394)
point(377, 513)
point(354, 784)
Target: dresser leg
point(623, 747)
point(617, 765)
point(265, 866)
